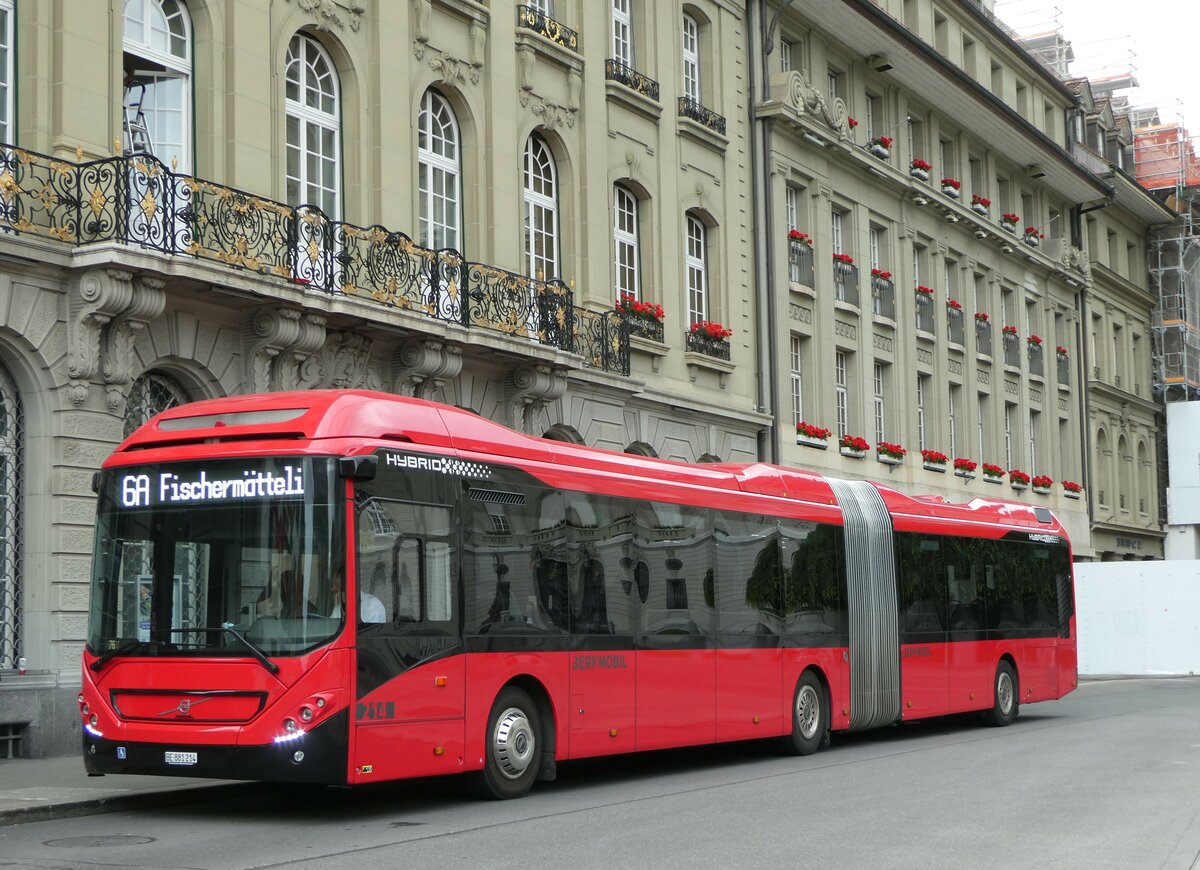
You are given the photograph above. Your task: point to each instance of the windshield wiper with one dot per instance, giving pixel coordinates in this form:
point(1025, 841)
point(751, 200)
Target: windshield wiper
point(123, 649)
point(250, 646)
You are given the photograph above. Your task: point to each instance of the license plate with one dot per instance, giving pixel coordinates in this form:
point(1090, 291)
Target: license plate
point(184, 758)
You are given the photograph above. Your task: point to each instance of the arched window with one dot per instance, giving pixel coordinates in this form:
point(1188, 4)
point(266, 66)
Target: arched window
point(312, 106)
point(541, 210)
point(1125, 474)
point(152, 393)
point(12, 472)
point(625, 238)
point(695, 262)
point(439, 179)
point(158, 87)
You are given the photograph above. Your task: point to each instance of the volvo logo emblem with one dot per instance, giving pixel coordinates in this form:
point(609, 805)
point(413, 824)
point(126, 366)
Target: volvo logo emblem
point(184, 706)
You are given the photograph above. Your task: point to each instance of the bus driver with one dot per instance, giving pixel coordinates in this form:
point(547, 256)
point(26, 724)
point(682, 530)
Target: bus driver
point(370, 608)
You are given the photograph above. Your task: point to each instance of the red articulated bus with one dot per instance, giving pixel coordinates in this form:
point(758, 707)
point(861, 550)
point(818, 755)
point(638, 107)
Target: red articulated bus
point(345, 587)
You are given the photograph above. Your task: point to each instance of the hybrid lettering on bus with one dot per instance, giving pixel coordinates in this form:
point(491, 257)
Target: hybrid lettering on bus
point(345, 587)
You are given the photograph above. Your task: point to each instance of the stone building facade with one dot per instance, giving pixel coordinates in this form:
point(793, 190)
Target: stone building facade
point(446, 199)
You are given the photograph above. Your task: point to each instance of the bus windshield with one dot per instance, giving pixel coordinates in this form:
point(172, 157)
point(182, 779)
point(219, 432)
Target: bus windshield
point(216, 557)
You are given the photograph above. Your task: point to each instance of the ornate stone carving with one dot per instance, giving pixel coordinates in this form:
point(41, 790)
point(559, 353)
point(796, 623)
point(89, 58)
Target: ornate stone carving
point(984, 377)
point(955, 366)
point(550, 114)
point(924, 356)
point(280, 347)
point(800, 313)
point(845, 330)
point(882, 342)
point(146, 303)
point(345, 361)
point(803, 99)
point(337, 13)
point(100, 298)
point(527, 390)
point(422, 366)
point(454, 71)
point(1012, 388)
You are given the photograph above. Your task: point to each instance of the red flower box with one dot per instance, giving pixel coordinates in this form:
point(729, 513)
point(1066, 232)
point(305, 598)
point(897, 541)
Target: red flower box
point(918, 163)
point(1043, 481)
point(855, 442)
point(894, 451)
point(808, 430)
point(954, 303)
point(1071, 486)
point(976, 199)
point(991, 470)
point(1018, 477)
point(711, 329)
point(844, 258)
point(880, 273)
point(963, 464)
point(936, 457)
point(638, 310)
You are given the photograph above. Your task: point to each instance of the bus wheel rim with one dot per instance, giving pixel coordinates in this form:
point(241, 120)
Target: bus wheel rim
point(513, 743)
point(1004, 692)
point(808, 712)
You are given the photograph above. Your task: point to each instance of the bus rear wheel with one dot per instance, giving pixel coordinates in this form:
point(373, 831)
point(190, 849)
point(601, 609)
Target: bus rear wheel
point(810, 717)
point(512, 746)
point(1006, 702)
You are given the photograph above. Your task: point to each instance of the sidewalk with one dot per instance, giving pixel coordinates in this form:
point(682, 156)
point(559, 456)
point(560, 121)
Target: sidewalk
point(50, 788)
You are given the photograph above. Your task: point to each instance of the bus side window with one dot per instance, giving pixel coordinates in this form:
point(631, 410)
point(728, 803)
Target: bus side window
point(404, 566)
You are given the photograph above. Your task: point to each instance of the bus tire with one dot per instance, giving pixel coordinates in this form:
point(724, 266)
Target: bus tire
point(810, 717)
point(1006, 702)
point(512, 746)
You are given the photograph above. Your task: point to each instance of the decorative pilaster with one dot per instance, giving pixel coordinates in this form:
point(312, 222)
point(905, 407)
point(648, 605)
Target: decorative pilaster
point(527, 390)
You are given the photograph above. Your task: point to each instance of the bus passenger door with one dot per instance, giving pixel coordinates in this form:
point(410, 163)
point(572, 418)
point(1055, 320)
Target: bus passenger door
point(410, 686)
point(924, 653)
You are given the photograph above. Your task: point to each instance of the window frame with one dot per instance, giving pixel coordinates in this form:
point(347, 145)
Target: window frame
point(695, 264)
point(622, 32)
point(307, 118)
point(690, 59)
point(626, 238)
point(438, 165)
point(535, 203)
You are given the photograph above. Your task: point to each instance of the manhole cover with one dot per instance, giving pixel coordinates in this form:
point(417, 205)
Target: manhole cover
point(100, 841)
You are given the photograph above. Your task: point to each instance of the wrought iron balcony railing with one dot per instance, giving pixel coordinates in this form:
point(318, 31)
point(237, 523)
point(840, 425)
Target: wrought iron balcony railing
point(845, 282)
point(884, 293)
point(1035, 361)
point(983, 337)
point(955, 333)
point(800, 264)
point(616, 71)
point(532, 18)
point(651, 329)
point(689, 108)
point(1012, 350)
point(925, 318)
point(137, 201)
point(1064, 369)
point(718, 348)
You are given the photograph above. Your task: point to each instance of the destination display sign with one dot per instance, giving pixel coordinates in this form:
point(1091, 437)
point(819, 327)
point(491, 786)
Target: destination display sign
point(228, 484)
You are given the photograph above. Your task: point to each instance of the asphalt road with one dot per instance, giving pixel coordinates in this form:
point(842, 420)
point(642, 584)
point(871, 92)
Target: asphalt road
point(1106, 778)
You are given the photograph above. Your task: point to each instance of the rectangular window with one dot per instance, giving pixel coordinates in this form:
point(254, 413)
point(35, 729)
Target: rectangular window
point(791, 205)
point(875, 123)
point(691, 59)
point(949, 165)
point(797, 365)
point(1009, 408)
point(836, 225)
point(941, 30)
point(997, 80)
point(981, 407)
point(1023, 99)
point(785, 56)
point(968, 58)
point(7, 76)
point(1034, 422)
point(977, 185)
point(880, 409)
point(922, 383)
point(876, 237)
point(951, 418)
point(841, 393)
point(1050, 119)
point(696, 265)
point(622, 33)
point(916, 138)
point(833, 83)
point(949, 273)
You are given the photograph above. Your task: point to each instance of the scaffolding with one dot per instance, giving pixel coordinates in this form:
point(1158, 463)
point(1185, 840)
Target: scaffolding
point(1166, 164)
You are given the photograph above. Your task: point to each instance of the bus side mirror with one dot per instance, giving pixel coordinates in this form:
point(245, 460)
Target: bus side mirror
point(358, 467)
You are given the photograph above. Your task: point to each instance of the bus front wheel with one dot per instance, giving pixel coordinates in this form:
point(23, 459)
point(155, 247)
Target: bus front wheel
point(810, 716)
point(512, 747)
point(1006, 702)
